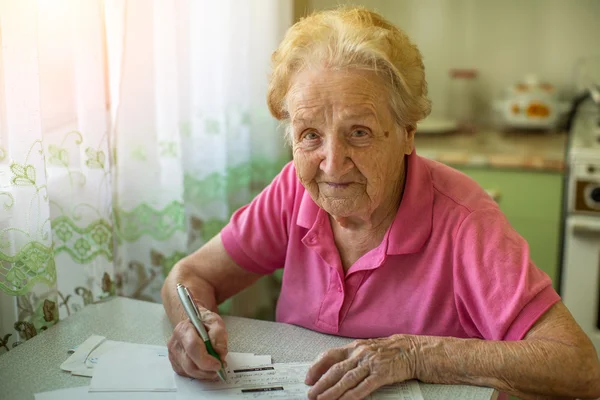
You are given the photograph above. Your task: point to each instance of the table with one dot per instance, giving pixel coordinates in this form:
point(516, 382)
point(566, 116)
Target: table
point(33, 366)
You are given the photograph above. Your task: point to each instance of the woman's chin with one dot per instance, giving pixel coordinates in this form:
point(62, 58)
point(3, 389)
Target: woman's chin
point(342, 209)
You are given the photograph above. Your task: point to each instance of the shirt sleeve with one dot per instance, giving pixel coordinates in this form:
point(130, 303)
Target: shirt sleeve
point(499, 292)
point(257, 235)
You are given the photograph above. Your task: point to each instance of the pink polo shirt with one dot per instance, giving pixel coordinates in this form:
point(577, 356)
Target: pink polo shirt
point(449, 265)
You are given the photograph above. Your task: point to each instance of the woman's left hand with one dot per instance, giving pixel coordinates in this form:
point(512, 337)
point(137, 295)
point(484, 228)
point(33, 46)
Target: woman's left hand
point(358, 369)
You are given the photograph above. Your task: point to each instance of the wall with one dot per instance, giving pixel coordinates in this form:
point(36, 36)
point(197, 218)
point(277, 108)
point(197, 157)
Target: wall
point(504, 40)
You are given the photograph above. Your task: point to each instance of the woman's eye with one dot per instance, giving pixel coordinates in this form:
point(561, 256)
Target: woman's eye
point(311, 135)
point(360, 133)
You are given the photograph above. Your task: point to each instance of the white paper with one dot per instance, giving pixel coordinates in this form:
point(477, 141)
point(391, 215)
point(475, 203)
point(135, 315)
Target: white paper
point(296, 391)
point(247, 377)
point(81, 393)
point(236, 360)
point(77, 359)
point(408, 390)
point(299, 391)
point(87, 368)
point(86, 355)
point(283, 380)
point(443, 392)
point(138, 369)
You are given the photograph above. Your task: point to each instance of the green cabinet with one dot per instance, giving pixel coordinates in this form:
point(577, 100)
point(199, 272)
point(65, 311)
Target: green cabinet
point(532, 202)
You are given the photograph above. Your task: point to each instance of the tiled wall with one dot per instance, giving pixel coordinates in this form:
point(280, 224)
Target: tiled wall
point(503, 39)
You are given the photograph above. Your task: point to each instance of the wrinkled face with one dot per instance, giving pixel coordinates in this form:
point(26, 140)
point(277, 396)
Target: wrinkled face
point(347, 148)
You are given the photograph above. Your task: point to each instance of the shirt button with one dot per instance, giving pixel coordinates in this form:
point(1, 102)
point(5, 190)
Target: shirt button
point(340, 289)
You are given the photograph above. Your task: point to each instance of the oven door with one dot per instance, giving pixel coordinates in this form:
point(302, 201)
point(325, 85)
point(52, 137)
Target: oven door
point(581, 273)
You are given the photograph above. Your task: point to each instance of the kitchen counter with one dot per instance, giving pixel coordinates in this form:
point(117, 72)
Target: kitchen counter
point(495, 149)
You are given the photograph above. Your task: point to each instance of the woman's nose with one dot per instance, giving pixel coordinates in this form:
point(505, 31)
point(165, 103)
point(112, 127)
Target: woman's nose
point(335, 161)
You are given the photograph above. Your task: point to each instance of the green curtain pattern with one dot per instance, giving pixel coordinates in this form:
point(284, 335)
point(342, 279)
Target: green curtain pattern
point(35, 262)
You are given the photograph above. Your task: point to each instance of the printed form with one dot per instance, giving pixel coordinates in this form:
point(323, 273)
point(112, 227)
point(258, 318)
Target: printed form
point(282, 380)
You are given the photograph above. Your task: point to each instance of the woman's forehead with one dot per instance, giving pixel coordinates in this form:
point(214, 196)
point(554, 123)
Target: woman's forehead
point(311, 84)
point(344, 109)
point(347, 94)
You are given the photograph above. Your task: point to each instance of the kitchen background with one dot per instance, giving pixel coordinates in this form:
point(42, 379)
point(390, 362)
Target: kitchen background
point(545, 180)
point(503, 40)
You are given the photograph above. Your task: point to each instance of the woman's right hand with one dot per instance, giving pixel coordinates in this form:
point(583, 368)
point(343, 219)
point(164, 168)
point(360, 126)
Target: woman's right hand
point(187, 351)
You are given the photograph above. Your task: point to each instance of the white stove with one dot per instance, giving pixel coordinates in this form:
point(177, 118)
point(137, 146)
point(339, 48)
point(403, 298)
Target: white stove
point(580, 277)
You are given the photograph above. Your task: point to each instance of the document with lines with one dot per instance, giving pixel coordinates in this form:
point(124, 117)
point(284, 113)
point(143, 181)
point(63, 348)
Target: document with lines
point(280, 380)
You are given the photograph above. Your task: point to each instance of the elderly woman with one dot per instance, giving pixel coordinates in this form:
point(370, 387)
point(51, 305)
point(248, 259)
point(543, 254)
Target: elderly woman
point(376, 243)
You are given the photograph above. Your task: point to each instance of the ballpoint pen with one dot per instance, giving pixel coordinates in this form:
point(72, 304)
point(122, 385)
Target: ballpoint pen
point(192, 312)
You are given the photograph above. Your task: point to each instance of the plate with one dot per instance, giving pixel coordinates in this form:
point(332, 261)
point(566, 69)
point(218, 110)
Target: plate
point(436, 126)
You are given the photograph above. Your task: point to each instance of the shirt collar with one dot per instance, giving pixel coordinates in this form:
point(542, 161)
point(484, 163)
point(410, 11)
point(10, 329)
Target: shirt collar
point(413, 222)
point(411, 228)
point(308, 211)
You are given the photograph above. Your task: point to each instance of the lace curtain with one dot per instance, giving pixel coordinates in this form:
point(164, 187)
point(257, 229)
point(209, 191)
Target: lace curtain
point(130, 130)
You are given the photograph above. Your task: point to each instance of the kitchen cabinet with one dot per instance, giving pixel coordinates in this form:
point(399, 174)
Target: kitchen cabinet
point(532, 203)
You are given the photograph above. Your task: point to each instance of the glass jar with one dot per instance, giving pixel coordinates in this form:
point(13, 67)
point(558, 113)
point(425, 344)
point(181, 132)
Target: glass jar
point(461, 98)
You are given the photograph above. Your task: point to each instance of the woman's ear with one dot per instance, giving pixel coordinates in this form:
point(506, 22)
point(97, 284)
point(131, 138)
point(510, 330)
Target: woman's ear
point(409, 138)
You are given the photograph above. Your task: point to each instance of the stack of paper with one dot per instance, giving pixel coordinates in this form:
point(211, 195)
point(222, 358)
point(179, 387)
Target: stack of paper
point(139, 369)
point(121, 370)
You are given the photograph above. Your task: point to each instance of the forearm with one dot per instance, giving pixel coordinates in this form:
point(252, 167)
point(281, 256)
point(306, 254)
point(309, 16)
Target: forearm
point(202, 291)
point(530, 369)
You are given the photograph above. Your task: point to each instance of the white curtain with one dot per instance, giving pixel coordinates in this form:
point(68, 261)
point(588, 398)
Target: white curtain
point(130, 130)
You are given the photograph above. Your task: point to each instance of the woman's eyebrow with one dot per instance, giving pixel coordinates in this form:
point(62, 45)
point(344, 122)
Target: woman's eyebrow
point(306, 120)
point(364, 110)
point(360, 115)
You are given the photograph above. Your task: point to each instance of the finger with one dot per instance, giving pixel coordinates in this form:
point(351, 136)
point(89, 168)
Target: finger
point(194, 347)
point(363, 389)
point(191, 370)
point(332, 377)
point(349, 381)
point(175, 364)
point(325, 361)
point(215, 327)
point(184, 365)
point(174, 350)
point(196, 374)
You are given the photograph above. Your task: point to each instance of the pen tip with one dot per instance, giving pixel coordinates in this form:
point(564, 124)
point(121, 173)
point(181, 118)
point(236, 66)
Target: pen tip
point(222, 375)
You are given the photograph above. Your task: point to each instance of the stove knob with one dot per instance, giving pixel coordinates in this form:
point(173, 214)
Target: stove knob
point(595, 194)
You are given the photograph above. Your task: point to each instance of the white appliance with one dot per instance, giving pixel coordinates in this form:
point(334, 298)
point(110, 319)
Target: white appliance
point(580, 275)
